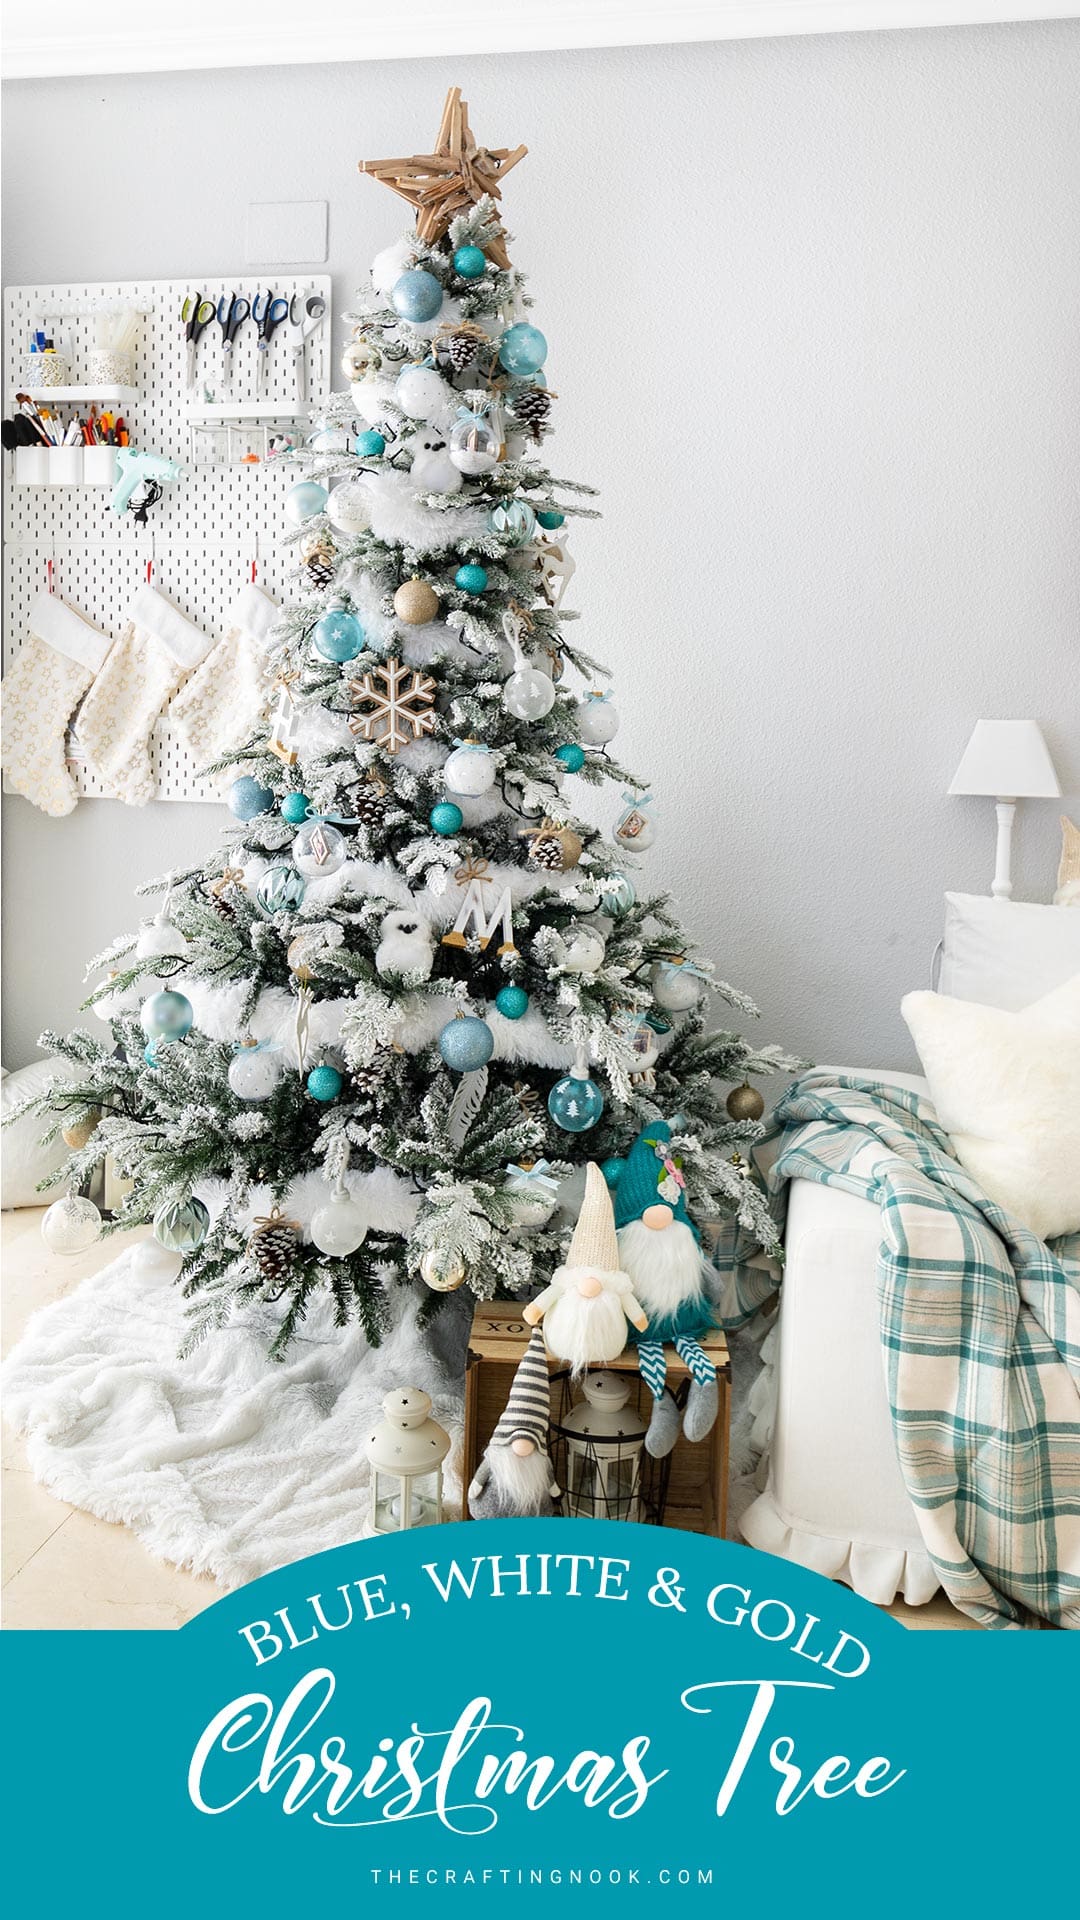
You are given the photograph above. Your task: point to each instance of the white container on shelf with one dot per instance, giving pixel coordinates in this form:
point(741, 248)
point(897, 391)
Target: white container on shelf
point(99, 466)
point(65, 466)
point(104, 368)
point(31, 466)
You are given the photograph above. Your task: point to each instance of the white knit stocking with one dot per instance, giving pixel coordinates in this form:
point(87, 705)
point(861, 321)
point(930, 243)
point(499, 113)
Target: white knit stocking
point(55, 664)
point(147, 665)
point(221, 705)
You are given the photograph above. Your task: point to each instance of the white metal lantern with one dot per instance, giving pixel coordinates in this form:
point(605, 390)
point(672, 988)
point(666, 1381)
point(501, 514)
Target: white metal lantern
point(406, 1452)
point(605, 1438)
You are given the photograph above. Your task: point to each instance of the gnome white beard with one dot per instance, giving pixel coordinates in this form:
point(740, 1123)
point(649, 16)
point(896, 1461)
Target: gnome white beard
point(665, 1266)
point(586, 1332)
point(521, 1482)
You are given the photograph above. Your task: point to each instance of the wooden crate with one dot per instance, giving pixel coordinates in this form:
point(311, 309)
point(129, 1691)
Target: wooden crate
point(697, 1483)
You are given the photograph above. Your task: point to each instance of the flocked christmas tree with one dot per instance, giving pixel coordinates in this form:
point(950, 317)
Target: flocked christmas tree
point(373, 1040)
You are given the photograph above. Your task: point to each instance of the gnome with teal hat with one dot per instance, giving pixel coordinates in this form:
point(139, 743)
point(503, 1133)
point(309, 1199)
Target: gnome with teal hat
point(660, 1249)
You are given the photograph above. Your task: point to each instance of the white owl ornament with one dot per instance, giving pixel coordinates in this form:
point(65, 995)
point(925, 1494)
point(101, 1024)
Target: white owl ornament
point(405, 945)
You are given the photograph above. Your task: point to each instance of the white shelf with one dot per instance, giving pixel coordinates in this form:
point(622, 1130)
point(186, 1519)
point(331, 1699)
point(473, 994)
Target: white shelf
point(215, 413)
point(110, 395)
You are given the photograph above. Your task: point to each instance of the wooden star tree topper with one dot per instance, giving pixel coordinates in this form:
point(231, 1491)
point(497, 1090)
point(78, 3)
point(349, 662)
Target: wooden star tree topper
point(442, 184)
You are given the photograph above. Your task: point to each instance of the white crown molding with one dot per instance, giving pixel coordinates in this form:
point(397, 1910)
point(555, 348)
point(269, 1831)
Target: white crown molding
point(136, 36)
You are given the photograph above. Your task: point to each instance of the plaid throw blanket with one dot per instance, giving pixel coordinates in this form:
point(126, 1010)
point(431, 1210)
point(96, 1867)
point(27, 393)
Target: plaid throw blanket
point(980, 1334)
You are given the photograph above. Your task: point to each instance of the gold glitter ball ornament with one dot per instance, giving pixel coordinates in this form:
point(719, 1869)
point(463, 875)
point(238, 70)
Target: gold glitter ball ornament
point(79, 1133)
point(745, 1103)
point(416, 603)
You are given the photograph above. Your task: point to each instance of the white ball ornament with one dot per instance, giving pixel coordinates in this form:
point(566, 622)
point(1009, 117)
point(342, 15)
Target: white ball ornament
point(583, 950)
point(674, 987)
point(469, 770)
point(598, 720)
point(71, 1225)
point(349, 508)
point(528, 694)
point(421, 393)
point(389, 265)
point(338, 1227)
point(158, 938)
point(254, 1072)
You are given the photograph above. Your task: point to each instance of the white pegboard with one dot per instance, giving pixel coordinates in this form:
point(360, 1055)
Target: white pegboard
point(207, 528)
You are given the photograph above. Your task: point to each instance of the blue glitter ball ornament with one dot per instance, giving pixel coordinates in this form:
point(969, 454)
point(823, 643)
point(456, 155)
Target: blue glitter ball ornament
point(445, 819)
point(324, 1084)
point(471, 578)
point(469, 263)
point(514, 519)
point(182, 1225)
point(575, 1105)
point(466, 1044)
point(167, 1016)
point(549, 519)
point(304, 500)
point(512, 1002)
point(571, 756)
point(280, 890)
point(248, 797)
point(294, 808)
point(369, 445)
point(338, 636)
point(612, 1171)
point(523, 349)
point(417, 295)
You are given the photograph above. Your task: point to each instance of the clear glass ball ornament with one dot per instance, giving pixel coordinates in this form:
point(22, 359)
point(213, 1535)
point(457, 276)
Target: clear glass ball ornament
point(338, 1226)
point(442, 1272)
point(349, 507)
point(674, 987)
point(598, 720)
point(71, 1225)
point(318, 850)
point(475, 445)
point(528, 694)
point(469, 770)
point(254, 1072)
point(583, 949)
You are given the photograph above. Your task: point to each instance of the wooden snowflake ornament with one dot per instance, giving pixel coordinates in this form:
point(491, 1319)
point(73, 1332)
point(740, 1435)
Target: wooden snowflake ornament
point(401, 706)
point(442, 184)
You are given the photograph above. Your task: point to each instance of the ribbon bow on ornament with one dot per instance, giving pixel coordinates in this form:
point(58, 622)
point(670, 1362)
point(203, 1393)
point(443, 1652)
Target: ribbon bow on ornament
point(675, 964)
point(536, 1179)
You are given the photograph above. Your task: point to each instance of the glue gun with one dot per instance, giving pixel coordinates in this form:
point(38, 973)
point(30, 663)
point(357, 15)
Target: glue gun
point(135, 468)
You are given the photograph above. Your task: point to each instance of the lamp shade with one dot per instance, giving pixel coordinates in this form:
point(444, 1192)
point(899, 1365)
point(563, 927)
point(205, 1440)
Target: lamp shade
point(1008, 760)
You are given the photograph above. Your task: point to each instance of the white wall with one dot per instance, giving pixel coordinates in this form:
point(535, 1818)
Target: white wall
point(812, 306)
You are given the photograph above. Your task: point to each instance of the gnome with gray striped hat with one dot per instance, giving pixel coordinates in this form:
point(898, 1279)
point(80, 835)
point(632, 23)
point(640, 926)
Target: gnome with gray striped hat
point(515, 1479)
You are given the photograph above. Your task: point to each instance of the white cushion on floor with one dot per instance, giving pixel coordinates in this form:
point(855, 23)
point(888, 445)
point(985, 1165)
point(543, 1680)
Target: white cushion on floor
point(25, 1160)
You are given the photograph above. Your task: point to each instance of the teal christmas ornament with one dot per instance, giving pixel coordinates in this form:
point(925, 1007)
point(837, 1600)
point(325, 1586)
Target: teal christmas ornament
point(571, 756)
point(182, 1225)
point(617, 895)
point(280, 890)
point(515, 520)
point(471, 578)
point(167, 1016)
point(469, 263)
point(445, 819)
point(338, 636)
point(522, 349)
point(549, 518)
point(466, 1044)
point(612, 1171)
point(369, 445)
point(248, 797)
point(512, 1002)
point(324, 1084)
point(304, 500)
point(150, 1055)
point(575, 1103)
point(294, 808)
point(417, 295)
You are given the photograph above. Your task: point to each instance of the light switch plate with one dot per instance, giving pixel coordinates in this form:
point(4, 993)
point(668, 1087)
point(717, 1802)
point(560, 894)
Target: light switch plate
point(285, 233)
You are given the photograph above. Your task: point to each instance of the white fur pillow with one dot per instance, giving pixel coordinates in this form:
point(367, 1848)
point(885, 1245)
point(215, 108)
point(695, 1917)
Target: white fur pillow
point(1007, 1089)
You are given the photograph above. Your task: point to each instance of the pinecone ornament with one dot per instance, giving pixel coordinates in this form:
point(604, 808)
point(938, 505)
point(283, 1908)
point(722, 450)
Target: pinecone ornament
point(459, 347)
point(369, 1080)
point(547, 855)
point(370, 803)
point(272, 1247)
point(222, 892)
point(319, 555)
point(532, 407)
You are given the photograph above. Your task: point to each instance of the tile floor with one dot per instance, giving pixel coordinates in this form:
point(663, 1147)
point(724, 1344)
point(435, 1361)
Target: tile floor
point(64, 1568)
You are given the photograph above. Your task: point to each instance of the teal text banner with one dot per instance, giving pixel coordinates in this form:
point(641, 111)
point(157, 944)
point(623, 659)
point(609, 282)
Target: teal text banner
point(539, 1711)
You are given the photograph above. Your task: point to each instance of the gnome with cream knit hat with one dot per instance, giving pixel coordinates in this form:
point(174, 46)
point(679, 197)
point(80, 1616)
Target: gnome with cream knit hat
point(586, 1308)
point(515, 1478)
point(660, 1249)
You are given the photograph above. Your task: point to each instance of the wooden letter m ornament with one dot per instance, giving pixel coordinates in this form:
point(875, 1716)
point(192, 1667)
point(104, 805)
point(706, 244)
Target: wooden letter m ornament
point(473, 922)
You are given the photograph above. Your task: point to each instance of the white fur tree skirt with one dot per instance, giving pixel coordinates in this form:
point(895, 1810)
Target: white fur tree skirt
point(224, 1463)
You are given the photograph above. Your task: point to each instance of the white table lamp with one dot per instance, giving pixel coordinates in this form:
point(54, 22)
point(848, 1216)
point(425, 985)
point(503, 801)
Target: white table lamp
point(1007, 760)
